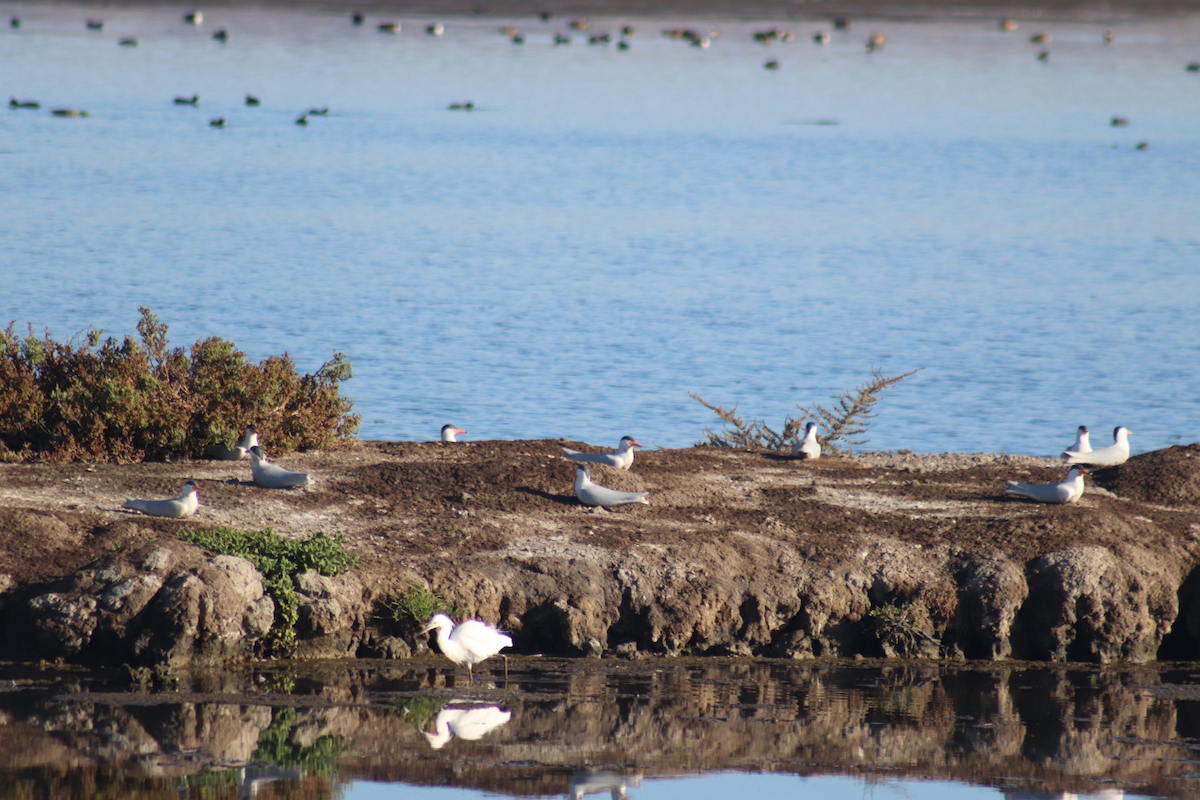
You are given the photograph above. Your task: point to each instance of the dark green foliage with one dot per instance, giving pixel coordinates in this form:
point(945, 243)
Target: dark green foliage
point(413, 609)
point(421, 710)
point(137, 400)
point(846, 420)
point(276, 745)
point(279, 560)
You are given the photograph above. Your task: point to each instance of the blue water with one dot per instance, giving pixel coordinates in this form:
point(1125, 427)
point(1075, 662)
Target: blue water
point(609, 230)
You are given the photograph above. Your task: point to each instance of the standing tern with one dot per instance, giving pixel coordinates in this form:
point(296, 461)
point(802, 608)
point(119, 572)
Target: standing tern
point(1110, 456)
point(468, 643)
point(621, 458)
point(449, 432)
point(1083, 443)
point(183, 506)
point(236, 453)
point(808, 447)
point(592, 495)
point(273, 476)
point(1067, 491)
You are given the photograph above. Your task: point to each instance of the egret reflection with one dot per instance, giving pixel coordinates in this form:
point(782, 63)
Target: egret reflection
point(471, 724)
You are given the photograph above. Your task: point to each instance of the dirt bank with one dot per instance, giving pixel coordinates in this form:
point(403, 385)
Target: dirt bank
point(738, 553)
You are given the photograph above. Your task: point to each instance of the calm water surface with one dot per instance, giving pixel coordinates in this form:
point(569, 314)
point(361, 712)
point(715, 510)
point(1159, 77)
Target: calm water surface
point(610, 230)
point(655, 730)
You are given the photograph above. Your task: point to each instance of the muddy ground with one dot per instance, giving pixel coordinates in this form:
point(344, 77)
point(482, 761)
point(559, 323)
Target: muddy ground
point(404, 506)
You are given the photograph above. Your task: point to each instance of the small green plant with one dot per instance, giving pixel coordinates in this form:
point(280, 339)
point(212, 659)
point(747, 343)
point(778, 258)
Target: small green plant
point(846, 420)
point(420, 710)
point(279, 560)
point(898, 629)
point(411, 610)
point(85, 399)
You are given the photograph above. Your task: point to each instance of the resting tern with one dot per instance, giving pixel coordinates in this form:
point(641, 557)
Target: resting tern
point(1083, 443)
point(1110, 456)
point(449, 432)
point(592, 495)
point(808, 447)
point(273, 476)
point(621, 458)
point(183, 506)
point(236, 453)
point(1067, 491)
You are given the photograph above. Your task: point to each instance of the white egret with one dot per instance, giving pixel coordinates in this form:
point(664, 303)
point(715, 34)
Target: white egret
point(469, 643)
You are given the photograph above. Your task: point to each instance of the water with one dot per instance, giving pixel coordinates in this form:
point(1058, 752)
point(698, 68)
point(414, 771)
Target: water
point(660, 730)
point(608, 230)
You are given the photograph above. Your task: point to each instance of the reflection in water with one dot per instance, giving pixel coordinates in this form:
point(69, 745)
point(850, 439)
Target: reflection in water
point(471, 724)
point(581, 729)
point(587, 781)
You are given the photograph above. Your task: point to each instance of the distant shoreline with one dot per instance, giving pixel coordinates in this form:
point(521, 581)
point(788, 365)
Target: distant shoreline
point(720, 9)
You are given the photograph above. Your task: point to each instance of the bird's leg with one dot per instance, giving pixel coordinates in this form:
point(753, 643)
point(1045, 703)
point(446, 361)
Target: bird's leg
point(470, 676)
point(505, 666)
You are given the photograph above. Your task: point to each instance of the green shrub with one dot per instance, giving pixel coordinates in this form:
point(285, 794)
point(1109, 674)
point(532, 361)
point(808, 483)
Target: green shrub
point(277, 745)
point(898, 629)
point(412, 610)
point(279, 560)
point(137, 400)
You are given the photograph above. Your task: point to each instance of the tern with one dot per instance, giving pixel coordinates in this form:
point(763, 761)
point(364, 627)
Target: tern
point(468, 643)
point(183, 506)
point(621, 458)
point(220, 452)
point(1083, 443)
point(808, 447)
point(592, 495)
point(470, 724)
point(273, 476)
point(449, 432)
point(1110, 456)
point(1067, 491)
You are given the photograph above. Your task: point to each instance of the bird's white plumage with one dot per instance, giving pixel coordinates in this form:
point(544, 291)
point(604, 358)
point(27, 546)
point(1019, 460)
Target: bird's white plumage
point(591, 494)
point(468, 643)
point(449, 432)
point(1067, 491)
point(621, 458)
point(808, 447)
point(1110, 456)
point(273, 476)
point(471, 724)
point(183, 506)
point(1083, 441)
point(236, 453)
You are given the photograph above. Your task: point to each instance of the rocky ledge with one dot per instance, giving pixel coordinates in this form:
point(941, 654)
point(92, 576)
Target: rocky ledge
point(737, 554)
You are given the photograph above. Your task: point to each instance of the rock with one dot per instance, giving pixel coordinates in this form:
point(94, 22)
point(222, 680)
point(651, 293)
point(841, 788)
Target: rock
point(332, 613)
point(122, 610)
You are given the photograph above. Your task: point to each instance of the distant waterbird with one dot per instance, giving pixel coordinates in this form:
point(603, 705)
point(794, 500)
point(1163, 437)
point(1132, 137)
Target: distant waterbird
point(177, 507)
point(15, 103)
point(1067, 491)
point(808, 447)
point(1083, 441)
point(1113, 455)
point(436, 29)
point(449, 433)
point(193, 18)
point(95, 24)
point(251, 100)
point(273, 476)
point(194, 100)
point(621, 458)
point(591, 494)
